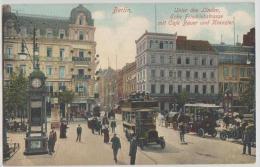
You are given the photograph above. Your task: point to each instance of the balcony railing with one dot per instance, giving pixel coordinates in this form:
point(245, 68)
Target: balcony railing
point(8, 57)
point(81, 59)
point(81, 77)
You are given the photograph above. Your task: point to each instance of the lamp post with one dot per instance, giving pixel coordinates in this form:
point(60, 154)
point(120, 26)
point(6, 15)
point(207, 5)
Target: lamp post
point(36, 134)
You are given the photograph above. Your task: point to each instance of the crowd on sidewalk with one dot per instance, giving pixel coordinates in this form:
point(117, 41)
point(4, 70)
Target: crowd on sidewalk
point(100, 126)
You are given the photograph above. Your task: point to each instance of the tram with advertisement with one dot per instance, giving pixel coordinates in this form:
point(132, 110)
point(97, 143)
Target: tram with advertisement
point(139, 119)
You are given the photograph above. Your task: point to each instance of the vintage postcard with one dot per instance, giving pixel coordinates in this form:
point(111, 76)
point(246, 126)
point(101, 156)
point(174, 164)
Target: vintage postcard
point(128, 83)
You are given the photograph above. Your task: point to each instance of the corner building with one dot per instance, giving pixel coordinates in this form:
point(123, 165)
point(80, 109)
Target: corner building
point(66, 49)
point(168, 64)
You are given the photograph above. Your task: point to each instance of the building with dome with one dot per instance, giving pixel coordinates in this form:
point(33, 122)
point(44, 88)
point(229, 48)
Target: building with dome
point(67, 52)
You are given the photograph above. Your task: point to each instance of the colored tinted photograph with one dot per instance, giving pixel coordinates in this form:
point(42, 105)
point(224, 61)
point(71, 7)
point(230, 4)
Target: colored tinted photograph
point(128, 83)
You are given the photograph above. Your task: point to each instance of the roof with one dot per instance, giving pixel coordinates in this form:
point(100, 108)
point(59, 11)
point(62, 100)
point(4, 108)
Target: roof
point(232, 48)
point(193, 45)
point(81, 9)
point(43, 23)
point(48, 22)
point(155, 33)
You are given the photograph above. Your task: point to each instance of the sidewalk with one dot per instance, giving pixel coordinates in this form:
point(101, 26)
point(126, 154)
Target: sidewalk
point(90, 151)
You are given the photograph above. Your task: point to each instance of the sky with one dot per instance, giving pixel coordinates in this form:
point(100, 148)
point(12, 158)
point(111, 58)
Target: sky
point(116, 32)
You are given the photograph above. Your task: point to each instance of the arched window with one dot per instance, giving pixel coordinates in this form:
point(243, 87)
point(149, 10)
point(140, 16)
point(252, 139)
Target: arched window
point(81, 20)
point(61, 34)
point(81, 35)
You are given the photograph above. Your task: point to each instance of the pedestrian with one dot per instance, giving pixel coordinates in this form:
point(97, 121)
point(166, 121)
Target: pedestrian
point(50, 143)
point(62, 130)
point(116, 145)
point(79, 130)
point(106, 135)
point(133, 150)
point(113, 126)
point(71, 116)
point(182, 132)
point(246, 139)
point(99, 127)
point(52, 140)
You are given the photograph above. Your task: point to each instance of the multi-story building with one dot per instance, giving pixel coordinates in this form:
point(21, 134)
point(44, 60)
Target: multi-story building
point(66, 49)
point(129, 79)
point(236, 66)
point(249, 38)
point(108, 88)
point(167, 65)
point(119, 80)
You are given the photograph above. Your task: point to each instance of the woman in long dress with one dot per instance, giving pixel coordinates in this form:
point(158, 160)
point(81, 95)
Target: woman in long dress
point(106, 135)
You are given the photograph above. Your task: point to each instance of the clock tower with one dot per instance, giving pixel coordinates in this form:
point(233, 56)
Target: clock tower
point(36, 140)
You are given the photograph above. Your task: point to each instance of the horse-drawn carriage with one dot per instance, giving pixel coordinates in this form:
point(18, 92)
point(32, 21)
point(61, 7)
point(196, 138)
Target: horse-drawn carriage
point(139, 120)
point(174, 118)
point(203, 118)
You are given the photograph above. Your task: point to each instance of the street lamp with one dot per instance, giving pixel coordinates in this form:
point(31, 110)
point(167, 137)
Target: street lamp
point(36, 134)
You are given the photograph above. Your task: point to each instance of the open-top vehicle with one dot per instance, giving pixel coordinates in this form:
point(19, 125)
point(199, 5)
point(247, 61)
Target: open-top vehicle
point(139, 119)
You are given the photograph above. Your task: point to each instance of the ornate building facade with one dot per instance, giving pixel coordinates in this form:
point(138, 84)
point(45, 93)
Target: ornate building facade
point(66, 47)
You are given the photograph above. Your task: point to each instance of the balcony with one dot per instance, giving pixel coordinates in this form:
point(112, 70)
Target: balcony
point(81, 77)
point(8, 57)
point(85, 60)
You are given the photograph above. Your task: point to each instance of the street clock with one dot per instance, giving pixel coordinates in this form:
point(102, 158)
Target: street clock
point(36, 83)
point(36, 135)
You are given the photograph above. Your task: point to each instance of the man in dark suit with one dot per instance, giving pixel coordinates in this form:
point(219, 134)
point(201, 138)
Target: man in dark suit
point(133, 150)
point(79, 130)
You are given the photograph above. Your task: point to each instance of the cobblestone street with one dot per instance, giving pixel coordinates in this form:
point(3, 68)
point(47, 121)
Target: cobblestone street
point(92, 150)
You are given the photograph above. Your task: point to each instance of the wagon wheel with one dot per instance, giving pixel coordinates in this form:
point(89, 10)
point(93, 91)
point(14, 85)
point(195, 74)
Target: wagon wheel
point(223, 135)
point(201, 132)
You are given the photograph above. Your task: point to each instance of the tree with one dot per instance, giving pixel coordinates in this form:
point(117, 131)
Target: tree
point(248, 96)
point(66, 98)
point(15, 95)
point(182, 99)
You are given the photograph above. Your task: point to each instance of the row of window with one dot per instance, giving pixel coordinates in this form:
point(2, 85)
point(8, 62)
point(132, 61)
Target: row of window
point(244, 72)
point(49, 53)
point(181, 88)
point(80, 35)
point(49, 70)
point(79, 87)
point(155, 44)
point(186, 61)
point(172, 74)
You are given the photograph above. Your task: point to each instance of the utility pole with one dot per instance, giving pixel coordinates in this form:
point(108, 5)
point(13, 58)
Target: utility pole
point(155, 18)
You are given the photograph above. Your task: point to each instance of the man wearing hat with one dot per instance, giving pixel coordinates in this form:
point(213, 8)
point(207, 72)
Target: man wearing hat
point(247, 138)
point(133, 150)
point(116, 145)
point(182, 131)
